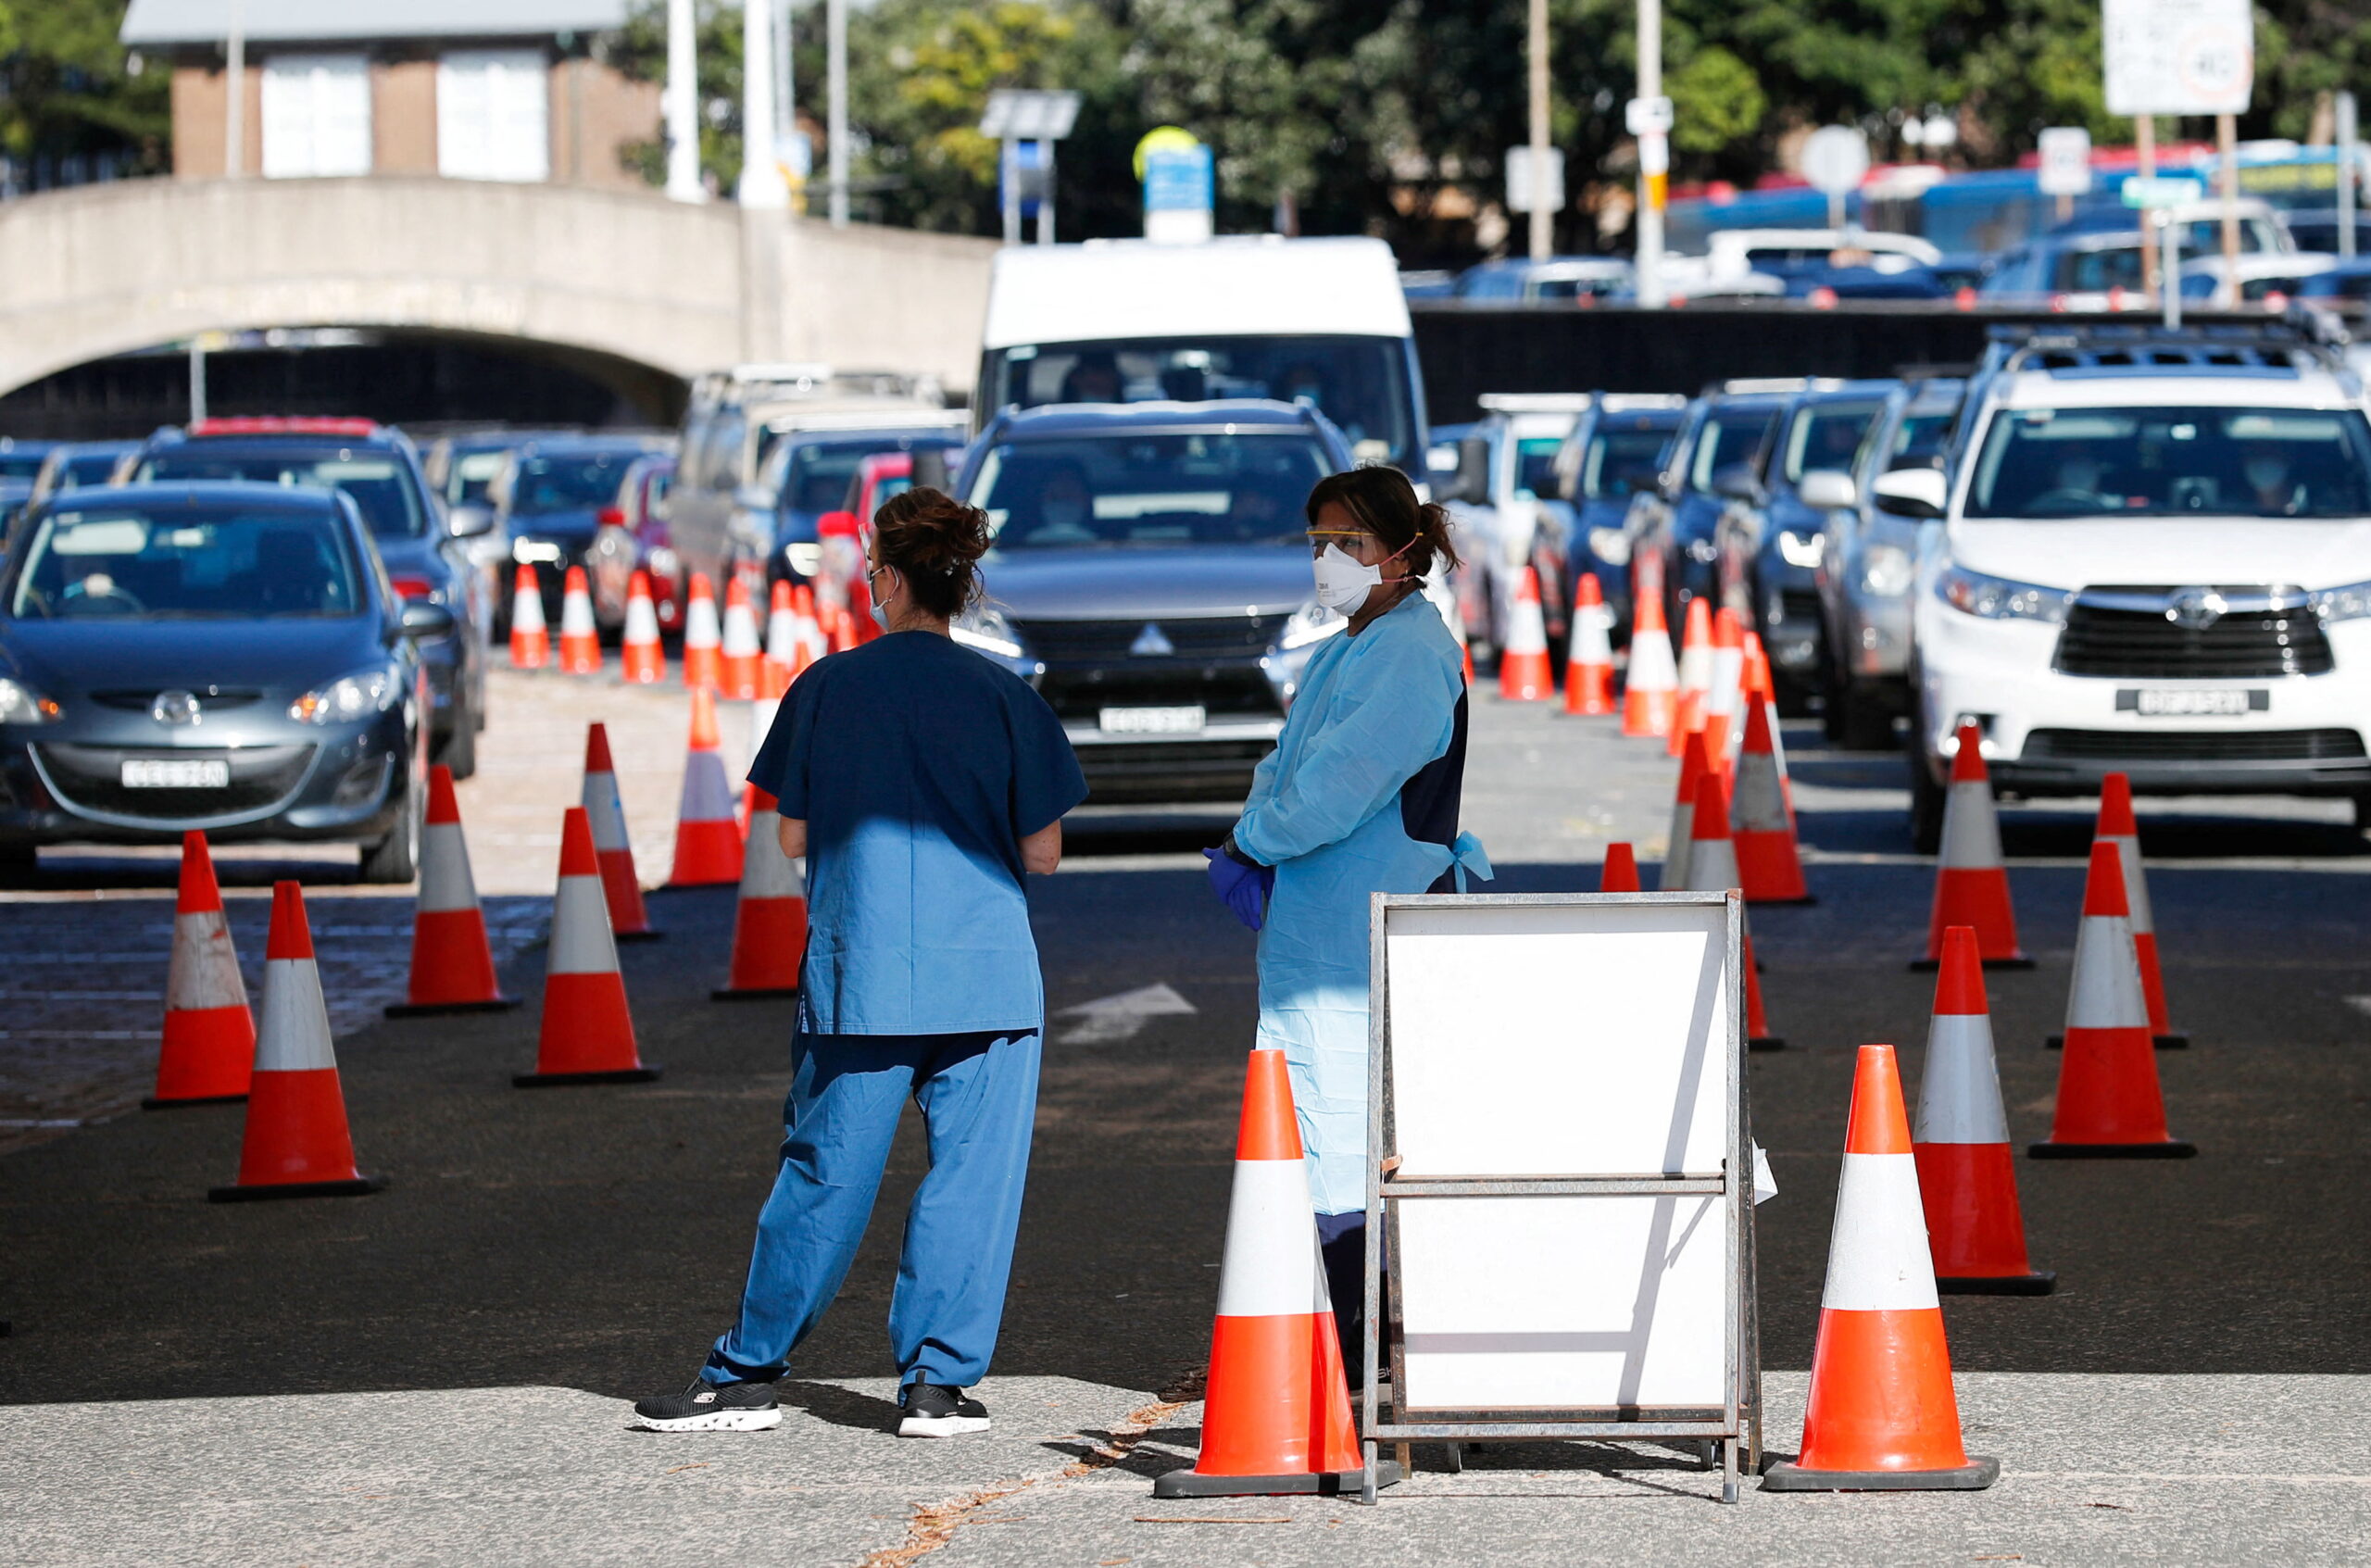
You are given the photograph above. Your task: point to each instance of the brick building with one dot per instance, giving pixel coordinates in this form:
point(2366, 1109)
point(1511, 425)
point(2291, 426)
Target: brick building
point(469, 89)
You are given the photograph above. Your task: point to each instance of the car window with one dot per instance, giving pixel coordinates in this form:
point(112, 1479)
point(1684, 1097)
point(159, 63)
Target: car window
point(1730, 435)
point(1623, 458)
point(2096, 272)
point(128, 564)
point(1535, 465)
point(567, 483)
point(1149, 490)
point(1825, 435)
point(22, 465)
point(821, 472)
point(472, 472)
point(381, 485)
point(2170, 461)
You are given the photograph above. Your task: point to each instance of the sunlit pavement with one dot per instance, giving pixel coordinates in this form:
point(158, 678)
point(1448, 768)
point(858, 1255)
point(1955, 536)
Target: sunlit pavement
point(324, 1382)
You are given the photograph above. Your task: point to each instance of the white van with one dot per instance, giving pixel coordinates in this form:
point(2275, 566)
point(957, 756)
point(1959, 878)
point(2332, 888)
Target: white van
point(1316, 322)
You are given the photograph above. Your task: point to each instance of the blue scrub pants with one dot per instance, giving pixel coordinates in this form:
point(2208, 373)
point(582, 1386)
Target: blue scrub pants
point(978, 1097)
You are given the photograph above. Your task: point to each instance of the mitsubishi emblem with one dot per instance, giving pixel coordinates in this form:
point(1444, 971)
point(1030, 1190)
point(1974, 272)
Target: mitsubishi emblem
point(1152, 643)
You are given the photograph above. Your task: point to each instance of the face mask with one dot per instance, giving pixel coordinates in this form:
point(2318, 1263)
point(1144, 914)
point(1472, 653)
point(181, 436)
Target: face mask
point(2266, 473)
point(880, 612)
point(1343, 582)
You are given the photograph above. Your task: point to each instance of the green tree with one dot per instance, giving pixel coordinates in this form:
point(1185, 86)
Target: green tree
point(66, 86)
point(639, 50)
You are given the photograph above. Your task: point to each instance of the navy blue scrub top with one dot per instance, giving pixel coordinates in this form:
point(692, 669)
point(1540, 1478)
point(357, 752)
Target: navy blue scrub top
point(919, 766)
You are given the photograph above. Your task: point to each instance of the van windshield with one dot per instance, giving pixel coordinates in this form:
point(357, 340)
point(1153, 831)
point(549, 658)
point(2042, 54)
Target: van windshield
point(2174, 461)
point(1361, 384)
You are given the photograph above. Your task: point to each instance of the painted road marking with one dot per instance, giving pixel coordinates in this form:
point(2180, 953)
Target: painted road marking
point(1110, 1020)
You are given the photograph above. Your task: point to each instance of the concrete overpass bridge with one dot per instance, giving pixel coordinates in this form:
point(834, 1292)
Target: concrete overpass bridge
point(637, 284)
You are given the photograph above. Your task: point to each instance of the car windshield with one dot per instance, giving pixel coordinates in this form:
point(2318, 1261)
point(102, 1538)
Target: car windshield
point(818, 473)
point(87, 468)
point(1825, 436)
point(2096, 272)
point(1359, 382)
point(1728, 435)
point(381, 485)
point(1536, 465)
point(469, 473)
point(1623, 458)
point(1130, 489)
point(2174, 461)
point(567, 483)
point(20, 465)
point(187, 563)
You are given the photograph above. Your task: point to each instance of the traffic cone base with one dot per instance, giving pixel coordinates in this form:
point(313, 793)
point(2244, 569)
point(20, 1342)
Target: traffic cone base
point(2162, 1042)
point(1876, 1354)
point(1928, 966)
point(311, 1108)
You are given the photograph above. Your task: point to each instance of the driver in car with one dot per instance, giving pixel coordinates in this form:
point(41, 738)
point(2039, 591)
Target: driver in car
point(2270, 482)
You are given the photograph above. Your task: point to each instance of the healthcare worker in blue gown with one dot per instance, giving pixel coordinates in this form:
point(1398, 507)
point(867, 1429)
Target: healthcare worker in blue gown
point(1360, 796)
point(921, 781)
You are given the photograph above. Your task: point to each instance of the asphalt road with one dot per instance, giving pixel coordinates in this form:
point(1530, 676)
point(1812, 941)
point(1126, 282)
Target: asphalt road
point(593, 1240)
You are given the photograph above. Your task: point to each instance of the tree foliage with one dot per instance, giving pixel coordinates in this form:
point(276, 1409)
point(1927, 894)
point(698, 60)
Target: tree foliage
point(66, 87)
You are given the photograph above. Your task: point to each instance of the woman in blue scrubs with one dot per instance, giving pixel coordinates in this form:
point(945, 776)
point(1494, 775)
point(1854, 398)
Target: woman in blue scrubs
point(921, 781)
point(1360, 796)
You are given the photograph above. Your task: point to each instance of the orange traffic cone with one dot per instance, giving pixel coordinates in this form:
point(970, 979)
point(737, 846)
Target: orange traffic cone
point(1695, 673)
point(1523, 675)
point(531, 642)
point(580, 642)
point(2108, 1103)
point(762, 714)
point(629, 919)
point(769, 920)
point(452, 965)
point(1713, 867)
point(1589, 659)
point(1967, 1179)
point(1619, 872)
point(703, 663)
point(2119, 828)
point(642, 655)
point(707, 837)
point(1277, 1416)
point(587, 1035)
point(738, 677)
point(1650, 687)
point(210, 1045)
point(1765, 689)
point(1971, 882)
point(1723, 691)
point(1767, 860)
point(813, 645)
point(1683, 814)
point(782, 644)
point(1882, 1414)
point(295, 1144)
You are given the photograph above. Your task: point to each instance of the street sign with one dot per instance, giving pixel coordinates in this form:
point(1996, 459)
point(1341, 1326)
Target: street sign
point(1642, 116)
point(1180, 188)
point(1522, 186)
point(2163, 191)
point(1836, 159)
point(1014, 115)
point(2065, 160)
point(2178, 57)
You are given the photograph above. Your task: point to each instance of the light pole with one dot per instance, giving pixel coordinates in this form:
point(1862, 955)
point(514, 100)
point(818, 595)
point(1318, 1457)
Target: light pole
point(761, 184)
point(234, 95)
point(683, 105)
point(1652, 128)
point(1543, 232)
point(835, 45)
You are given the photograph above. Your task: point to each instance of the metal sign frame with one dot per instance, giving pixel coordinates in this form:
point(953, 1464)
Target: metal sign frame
point(1735, 1424)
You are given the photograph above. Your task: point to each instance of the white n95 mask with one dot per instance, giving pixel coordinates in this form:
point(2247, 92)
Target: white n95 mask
point(1343, 581)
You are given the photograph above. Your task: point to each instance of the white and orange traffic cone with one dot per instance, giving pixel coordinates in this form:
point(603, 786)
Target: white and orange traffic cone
point(813, 645)
point(703, 661)
point(1695, 674)
point(1650, 686)
point(531, 642)
point(1971, 880)
point(708, 834)
point(209, 1044)
point(629, 917)
point(580, 640)
point(1713, 867)
point(295, 1144)
point(1683, 814)
point(1882, 1416)
point(1724, 692)
point(782, 644)
point(769, 920)
point(740, 653)
point(1276, 1419)
point(2119, 827)
point(1589, 658)
point(452, 963)
point(643, 658)
point(587, 1033)
point(1765, 689)
point(1967, 1177)
point(2110, 1104)
point(1619, 872)
point(1523, 674)
point(1768, 862)
point(762, 714)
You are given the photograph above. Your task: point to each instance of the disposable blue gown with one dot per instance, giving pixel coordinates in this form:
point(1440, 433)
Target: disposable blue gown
point(1326, 810)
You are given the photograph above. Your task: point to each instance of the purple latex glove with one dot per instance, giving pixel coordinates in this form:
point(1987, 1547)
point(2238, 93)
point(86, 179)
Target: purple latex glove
point(1244, 889)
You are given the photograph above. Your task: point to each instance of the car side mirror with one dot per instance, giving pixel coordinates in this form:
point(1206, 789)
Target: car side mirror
point(468, 520)
point(1826, 490)
point(837, 525)
point(930, 469)
point(426, 617)
point(1735, 482)
point(1916, 493)
point(1472, 483)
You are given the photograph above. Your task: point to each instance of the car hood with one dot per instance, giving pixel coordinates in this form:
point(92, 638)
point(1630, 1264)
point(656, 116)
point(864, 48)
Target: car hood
point(1109, 584)
point(64, 657)
point(2208, 551)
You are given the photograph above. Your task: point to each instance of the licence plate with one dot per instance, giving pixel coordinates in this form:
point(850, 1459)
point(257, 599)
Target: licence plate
point(196, 773)
point(1151, 720)
point(2231, 703)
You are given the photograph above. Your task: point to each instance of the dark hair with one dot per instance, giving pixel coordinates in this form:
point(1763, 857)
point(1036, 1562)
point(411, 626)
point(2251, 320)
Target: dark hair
point(936, 543)
point(1384, 504)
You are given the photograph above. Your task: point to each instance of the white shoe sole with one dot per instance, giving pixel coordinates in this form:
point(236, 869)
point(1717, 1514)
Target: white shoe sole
point(714, 1421)
point(941, 1426)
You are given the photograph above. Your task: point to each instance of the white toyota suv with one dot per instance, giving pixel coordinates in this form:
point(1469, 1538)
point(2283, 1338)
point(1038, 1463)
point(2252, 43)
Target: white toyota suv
point(2151, 552)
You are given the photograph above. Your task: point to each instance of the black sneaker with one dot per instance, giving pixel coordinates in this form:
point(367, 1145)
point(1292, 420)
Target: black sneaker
point(711, 1407)
point(933, 1410)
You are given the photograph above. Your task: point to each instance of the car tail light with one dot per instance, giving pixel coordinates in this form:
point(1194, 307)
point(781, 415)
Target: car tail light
point(412, 587)
point(612, 516)
point(275, 424)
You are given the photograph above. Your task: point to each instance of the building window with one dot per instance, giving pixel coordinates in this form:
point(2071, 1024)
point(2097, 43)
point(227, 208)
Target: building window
point(493, 115)
point(316, 116)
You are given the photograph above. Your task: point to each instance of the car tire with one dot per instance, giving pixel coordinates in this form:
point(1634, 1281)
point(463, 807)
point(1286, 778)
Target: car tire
point(459, 750)
point(395, 860)
point(1863, 722)
point(1926, 799)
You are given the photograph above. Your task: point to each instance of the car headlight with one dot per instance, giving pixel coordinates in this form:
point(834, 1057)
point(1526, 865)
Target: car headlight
point(527, 550)
point(1610, 545)
point(1886, 571)
point(805, 557)
point(1798, 549)
point(20, 704)
point(2350, 603)
point(986, 630)
point(1996, 598)
point(356, 696)
point(1313, 622)
point(1703, 550)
